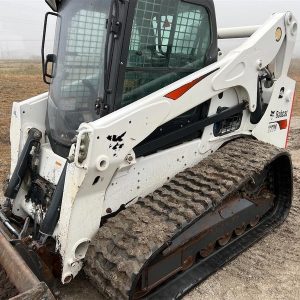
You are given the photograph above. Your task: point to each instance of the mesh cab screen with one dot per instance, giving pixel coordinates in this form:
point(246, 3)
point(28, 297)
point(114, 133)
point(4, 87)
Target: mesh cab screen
point(79, 71)
point(169, 41)
point(84, 53)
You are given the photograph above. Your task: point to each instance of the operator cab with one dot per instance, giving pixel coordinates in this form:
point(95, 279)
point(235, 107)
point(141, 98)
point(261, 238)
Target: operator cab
point(109, 54)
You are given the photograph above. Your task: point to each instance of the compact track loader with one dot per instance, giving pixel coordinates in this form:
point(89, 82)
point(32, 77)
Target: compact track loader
point(154, 159)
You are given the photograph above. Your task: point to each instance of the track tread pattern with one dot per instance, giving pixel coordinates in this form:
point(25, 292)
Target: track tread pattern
point(123, 245)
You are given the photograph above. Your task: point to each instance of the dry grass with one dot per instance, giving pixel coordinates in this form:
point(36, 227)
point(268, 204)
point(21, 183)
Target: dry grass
point(21, 80)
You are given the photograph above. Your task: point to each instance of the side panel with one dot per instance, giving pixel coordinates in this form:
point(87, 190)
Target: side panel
point(274, 126)
point(25, 115)
point(151, 172)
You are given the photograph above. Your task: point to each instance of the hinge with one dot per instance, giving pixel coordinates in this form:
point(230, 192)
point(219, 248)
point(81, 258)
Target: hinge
point(116, 27)
point(101, 107)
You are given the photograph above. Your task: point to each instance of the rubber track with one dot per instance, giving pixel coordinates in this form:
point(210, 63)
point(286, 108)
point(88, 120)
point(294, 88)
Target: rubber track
point(125, 243)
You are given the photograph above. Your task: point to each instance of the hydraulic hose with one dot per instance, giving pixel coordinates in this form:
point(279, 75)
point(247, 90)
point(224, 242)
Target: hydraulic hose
point(52, 215)
point(34, 137)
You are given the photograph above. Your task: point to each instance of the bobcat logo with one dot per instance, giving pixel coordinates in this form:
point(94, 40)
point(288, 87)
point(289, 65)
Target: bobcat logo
point(116, 142)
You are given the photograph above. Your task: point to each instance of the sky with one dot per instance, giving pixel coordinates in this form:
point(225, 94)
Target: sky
point(21, 22)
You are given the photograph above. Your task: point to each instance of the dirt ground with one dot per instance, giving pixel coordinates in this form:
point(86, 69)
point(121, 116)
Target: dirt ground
point(269, 270)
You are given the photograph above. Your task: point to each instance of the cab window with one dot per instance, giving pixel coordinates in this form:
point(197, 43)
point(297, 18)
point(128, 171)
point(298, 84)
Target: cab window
point(169, 41)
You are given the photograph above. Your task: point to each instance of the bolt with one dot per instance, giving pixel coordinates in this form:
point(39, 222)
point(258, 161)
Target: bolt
point(129, 158)
point(37, 135)
point(259, 65)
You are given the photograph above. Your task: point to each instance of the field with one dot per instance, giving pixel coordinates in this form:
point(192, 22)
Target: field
point(269, 270)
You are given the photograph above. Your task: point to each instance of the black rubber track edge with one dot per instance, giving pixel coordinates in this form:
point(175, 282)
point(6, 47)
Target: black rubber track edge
point(185, 282)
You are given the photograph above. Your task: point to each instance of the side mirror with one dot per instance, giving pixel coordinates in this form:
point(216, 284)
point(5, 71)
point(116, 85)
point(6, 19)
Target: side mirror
point(50, 58)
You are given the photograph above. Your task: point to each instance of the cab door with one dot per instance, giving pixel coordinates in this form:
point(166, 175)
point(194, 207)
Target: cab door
point(169, 40)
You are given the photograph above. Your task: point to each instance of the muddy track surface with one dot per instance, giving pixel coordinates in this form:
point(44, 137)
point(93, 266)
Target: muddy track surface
point(271, 268)
point(268, 270)
point(113, 264)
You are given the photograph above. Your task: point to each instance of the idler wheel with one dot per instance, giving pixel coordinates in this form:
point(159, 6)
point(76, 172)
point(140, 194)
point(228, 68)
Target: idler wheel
point(208, 250)
point(254, 222)
point(188, 262)
point(224, 240)
point(240, 230)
